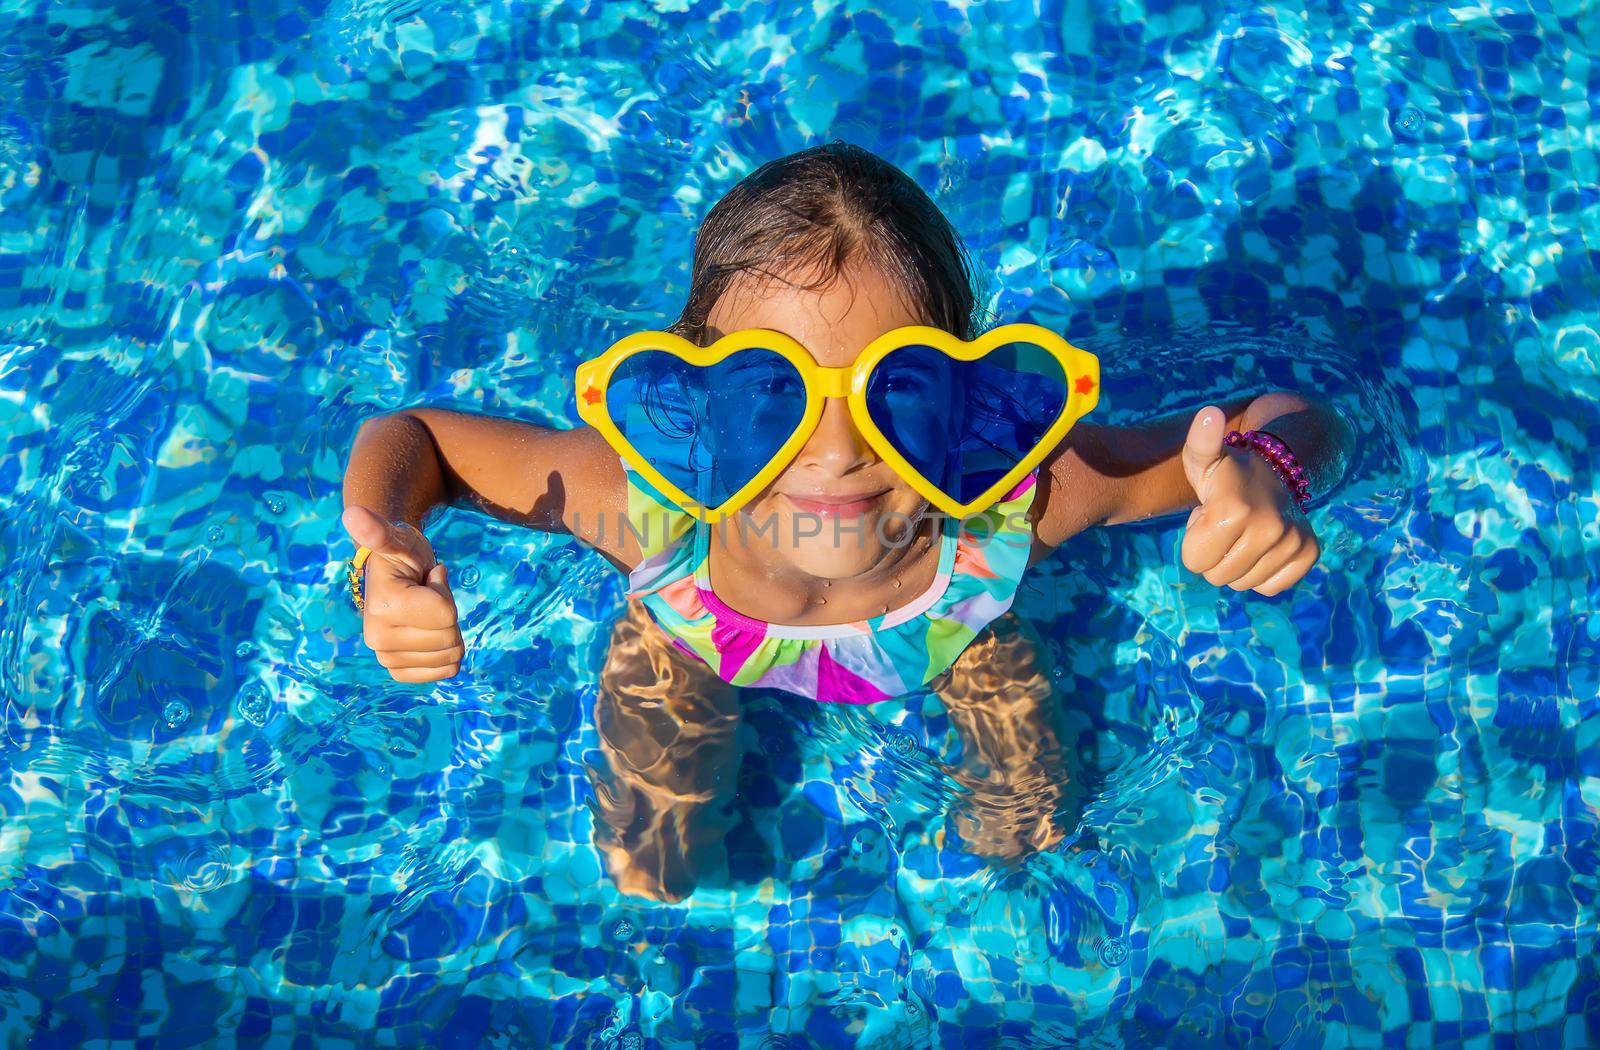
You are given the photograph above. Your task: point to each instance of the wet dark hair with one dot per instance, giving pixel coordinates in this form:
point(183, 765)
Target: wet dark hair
point(802, 219)
point(814, 212)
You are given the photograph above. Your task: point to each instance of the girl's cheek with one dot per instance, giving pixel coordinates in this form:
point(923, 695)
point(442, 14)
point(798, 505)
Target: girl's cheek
point(906, 499)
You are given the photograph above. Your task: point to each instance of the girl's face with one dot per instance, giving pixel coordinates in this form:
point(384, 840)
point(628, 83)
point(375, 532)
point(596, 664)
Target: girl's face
point(837, 510)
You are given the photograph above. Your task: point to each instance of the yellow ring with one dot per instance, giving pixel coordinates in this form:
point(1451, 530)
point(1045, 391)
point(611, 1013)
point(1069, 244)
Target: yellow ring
point(357, 584)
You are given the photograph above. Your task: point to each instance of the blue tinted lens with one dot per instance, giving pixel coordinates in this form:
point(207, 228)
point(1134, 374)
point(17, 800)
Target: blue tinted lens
point(707, 430)
point(963, 424)
point(912, 396)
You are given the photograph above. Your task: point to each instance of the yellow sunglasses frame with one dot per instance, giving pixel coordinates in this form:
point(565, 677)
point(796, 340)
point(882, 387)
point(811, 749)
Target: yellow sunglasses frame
point(1082, 369)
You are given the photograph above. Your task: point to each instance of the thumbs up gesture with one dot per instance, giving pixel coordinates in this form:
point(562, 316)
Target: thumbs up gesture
point(1247, 532)
point(410, 616)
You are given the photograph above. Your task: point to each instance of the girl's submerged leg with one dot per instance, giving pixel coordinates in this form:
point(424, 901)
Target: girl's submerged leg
point(667, 725)
point(998, 694)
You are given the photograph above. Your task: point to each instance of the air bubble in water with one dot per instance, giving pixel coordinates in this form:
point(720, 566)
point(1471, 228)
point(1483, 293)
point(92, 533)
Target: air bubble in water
point(1408, 121)
point(622, 931)
point(254, 703)
point(204, 869)
point(902, 743)
point(631, 1041)
point(245, 650)
point(275, 504)
point(175, 714)
point(215, 534)
point(469, 576)
point(1113, 950)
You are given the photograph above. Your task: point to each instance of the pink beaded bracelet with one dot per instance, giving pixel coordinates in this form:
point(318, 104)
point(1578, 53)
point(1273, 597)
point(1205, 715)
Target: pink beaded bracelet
point(1277, 454)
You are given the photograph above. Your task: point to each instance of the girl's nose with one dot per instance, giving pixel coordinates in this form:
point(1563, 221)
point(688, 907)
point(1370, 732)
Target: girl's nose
point(836, 447)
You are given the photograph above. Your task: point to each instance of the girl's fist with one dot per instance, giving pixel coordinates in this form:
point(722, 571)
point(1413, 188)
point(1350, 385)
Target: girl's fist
point(1248, 533)
point(410, 616)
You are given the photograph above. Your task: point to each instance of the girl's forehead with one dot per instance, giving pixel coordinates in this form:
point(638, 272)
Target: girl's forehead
point(834, 322)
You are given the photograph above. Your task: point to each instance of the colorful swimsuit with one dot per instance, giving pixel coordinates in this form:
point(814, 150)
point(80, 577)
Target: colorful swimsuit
point(854, 663)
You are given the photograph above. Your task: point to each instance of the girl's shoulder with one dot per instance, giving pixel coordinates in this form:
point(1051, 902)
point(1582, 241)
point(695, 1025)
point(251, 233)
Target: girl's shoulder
point(996, 546)
point(1076, 491)
point(595, 496)
point(658, 533)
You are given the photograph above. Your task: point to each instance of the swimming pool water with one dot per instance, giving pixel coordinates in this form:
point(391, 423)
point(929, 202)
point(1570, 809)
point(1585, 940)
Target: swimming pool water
point(1365, 812)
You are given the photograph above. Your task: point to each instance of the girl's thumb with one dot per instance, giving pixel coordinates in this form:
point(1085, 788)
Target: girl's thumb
point(1202, 448)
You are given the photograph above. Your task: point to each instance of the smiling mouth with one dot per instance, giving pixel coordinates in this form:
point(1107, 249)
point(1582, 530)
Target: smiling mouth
point(841, 505)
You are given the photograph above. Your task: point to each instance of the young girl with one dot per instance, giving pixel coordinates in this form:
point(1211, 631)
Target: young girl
point(849, 585)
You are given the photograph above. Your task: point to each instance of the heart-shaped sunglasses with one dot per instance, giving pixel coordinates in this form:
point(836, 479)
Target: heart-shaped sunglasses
point(961, 422)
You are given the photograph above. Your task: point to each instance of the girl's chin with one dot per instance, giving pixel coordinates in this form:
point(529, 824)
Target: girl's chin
point(834, 563)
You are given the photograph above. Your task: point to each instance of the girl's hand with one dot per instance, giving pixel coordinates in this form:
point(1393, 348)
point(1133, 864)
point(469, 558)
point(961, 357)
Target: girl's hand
point(410, 614)
point(1247, 532)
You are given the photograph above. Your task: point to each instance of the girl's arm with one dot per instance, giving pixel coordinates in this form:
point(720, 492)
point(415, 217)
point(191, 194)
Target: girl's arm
point(406, 463)
point(1110, 475)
